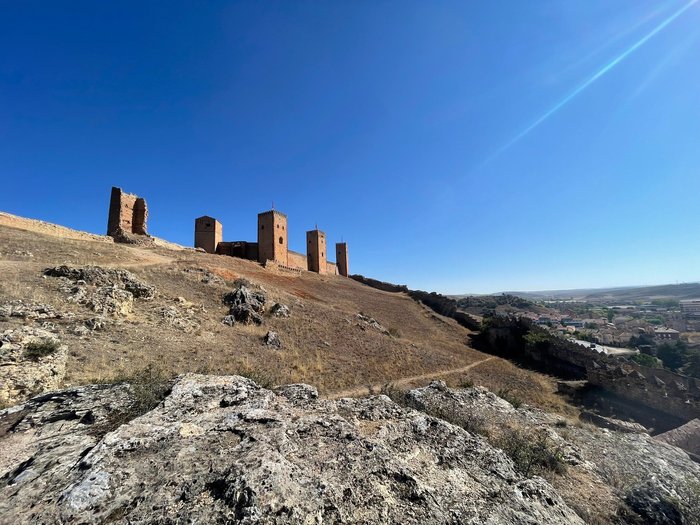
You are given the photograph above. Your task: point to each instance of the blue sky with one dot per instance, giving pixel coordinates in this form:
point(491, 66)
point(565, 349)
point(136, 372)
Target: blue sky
point(404, 128)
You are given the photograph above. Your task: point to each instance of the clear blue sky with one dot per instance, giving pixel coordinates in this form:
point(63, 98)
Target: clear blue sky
point(456, 146)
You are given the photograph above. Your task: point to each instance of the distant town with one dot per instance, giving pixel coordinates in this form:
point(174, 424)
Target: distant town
point(654, 332)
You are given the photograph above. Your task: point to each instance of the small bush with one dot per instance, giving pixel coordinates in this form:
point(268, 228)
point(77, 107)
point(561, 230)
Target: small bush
point(646, 360)
point(466, 382)
point(148, 387)
point(38, 349)
point(508, 395)
point(532, 453)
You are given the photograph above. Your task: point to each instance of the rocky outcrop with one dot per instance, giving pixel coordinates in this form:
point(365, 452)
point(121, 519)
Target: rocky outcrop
point(365, 322)
point(610, 467)
point(224, 450)
point(106, 291)
point(686, 436)
point(32, 360)
point(246, 305)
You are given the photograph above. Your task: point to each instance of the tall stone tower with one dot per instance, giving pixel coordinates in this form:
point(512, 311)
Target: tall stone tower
point(208, 233)
point(316, 251)
point(341, 258)
point(272, 237)
point(128, 213)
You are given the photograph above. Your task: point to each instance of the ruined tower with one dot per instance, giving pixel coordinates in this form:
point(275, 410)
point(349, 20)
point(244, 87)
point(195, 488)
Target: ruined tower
point(272, 237)
point(341, 258)
point(208, 233)
point(316, 251)
point(128, 213)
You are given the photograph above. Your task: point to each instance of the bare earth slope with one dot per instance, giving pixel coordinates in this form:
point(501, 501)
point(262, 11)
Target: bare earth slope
point(180, 329)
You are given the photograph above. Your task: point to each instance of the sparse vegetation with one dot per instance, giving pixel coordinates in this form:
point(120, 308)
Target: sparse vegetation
point(147, 387)
point(508, 395)
point(645, 360)
point(533, 453)
point(35, 350)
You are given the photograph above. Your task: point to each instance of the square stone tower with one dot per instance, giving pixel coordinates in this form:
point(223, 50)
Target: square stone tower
point(316, 255)
point(341, 258)
point(128, 213)
point(208, 233)
point(272, 237)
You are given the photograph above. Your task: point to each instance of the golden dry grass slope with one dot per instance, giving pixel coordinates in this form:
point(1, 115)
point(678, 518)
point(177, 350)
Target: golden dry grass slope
point(180, 330)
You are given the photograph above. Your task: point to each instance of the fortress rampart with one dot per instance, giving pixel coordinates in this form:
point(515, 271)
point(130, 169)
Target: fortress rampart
point(128, 214)
point(272, 245)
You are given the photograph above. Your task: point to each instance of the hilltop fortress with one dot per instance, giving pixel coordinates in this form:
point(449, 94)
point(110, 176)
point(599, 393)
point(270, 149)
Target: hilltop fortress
point(272, 245)
point(128, 215)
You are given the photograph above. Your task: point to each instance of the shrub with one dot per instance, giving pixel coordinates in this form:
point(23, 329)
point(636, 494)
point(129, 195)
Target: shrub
point(645, 360)
point(466, 382)
point(532, 453)
point(147, 388)
point(35, 350)
point(508, 395)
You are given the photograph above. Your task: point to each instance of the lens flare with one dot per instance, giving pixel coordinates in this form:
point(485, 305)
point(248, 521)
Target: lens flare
point(605, 69)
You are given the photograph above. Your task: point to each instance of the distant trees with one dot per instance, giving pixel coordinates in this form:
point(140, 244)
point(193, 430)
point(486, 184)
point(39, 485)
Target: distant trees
point(673, 355)
point(646, 360)
point(693, 367)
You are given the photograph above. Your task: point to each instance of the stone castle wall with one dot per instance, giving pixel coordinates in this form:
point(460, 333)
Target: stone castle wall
point(296, 260)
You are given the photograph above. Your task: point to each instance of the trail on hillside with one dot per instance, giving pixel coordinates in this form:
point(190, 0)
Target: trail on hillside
point(403, 381)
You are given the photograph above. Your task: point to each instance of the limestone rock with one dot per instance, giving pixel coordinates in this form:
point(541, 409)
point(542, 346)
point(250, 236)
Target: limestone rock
point(30, 310)
point(106, 291)
point(272, 339)
point(244, 296)
point(224, 450)
point(23, 375)
point(615, 463)
point(244, 313)
point(279, 310)
point(365, 322)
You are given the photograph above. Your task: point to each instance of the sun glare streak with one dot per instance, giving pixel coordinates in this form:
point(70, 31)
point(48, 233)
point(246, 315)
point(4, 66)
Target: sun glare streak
point(605, 69)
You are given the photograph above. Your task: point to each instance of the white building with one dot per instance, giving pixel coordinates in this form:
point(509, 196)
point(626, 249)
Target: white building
point(690, 307)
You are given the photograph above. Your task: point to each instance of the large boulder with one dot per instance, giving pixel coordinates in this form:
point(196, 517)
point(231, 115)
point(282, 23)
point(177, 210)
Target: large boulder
point(224, 450)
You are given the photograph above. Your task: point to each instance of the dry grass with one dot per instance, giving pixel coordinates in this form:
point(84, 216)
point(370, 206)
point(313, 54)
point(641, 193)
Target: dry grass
point(322, 343)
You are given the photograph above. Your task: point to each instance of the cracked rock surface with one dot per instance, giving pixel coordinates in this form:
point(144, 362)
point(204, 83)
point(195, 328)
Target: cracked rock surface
point(221, 449)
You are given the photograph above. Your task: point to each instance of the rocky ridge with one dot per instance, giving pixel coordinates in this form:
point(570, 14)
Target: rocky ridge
point(221, 449)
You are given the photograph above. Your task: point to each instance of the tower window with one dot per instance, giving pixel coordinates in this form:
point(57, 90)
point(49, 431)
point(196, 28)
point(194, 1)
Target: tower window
point(278, 226)
point(262, 226)
point(281, 240)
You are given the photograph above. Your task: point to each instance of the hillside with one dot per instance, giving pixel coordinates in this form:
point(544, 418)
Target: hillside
point(179, 329)
point(136, 393)
point(621, 294)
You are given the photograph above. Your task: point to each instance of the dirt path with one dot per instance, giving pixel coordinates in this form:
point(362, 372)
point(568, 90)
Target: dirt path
point(365, 390)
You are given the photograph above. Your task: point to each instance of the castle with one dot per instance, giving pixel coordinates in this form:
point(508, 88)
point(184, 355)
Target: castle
point(272, 245)
point(128, 215)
